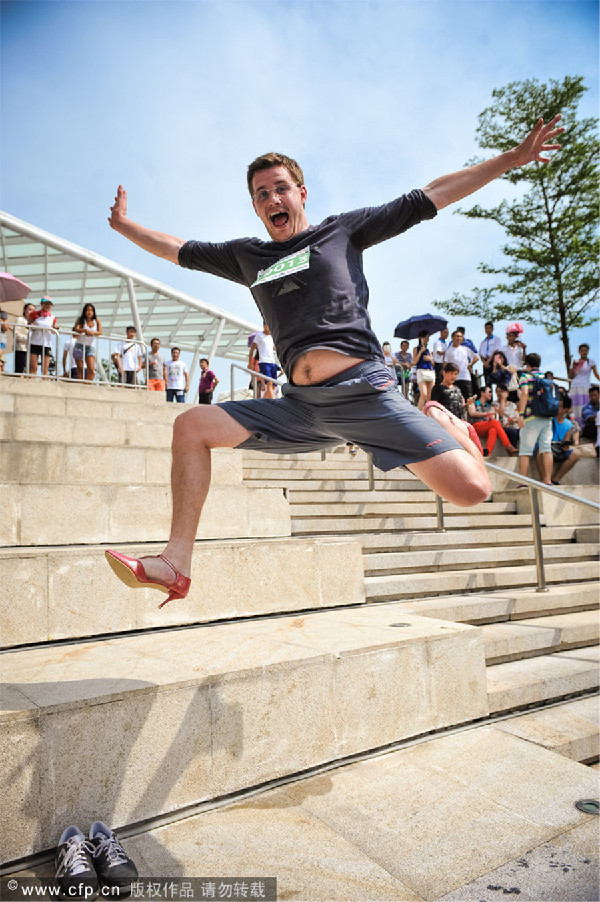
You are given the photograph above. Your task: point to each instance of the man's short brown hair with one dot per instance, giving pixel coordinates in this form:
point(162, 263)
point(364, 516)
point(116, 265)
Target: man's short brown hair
point(268, 161)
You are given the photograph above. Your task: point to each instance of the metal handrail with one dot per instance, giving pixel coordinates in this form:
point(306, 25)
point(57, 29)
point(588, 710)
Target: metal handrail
point(534, 487)
point(108, 339)
point(253, 373)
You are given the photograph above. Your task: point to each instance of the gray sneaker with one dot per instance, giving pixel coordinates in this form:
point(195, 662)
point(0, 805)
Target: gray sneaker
point(114, 867)
point(75, 873)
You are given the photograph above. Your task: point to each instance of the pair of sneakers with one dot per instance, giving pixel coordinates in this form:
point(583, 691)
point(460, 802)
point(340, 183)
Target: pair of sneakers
point(84, 863)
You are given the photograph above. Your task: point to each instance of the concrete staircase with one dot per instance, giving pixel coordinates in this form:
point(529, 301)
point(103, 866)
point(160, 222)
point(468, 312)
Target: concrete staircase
point(313, 602)
point(480, 570)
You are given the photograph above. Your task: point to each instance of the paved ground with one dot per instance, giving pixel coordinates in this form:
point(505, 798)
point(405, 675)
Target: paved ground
point(478, 816)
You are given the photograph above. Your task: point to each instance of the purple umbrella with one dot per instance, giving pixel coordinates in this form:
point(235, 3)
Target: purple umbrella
point(410, 328)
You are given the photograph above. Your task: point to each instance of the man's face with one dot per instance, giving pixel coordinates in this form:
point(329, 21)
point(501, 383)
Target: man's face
point(488, 329)
point(131, 334)
point(279, 203)
point(203, 364)
point(155, 345)
point(512, 337)
point(175, 353)
point(444, 334)
point(457, 339)
point(595, 397)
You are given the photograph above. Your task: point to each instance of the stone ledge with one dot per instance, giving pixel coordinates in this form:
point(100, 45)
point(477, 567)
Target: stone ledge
point(159, 721)
point(92, 514)
point(70, 593)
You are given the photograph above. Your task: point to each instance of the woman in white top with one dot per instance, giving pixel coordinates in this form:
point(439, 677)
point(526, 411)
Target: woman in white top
point(87, 327)
point(389, 360)
point(41, 337)
point(580, 374)
point(21, 337)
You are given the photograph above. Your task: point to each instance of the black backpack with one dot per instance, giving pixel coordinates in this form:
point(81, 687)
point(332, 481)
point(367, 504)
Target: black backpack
point(544, 397)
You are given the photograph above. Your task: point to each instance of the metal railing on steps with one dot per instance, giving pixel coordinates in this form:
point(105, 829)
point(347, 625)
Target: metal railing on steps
point(534, 488)
point(255, 378)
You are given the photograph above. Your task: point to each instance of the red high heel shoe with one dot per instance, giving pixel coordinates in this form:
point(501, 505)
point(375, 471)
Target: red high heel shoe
point(132, 573)
point(453, 419)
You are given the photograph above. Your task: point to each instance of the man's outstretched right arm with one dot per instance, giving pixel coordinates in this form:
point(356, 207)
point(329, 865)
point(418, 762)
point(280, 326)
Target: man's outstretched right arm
point(157, 243)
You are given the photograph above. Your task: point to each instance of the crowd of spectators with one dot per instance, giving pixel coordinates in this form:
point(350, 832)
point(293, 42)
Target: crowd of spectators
point(496, 397)
point(443, 368)
point(36, 333)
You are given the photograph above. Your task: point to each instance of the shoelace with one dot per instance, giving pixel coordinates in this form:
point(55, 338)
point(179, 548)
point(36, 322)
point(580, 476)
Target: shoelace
point(74, 857)
point(109, 846)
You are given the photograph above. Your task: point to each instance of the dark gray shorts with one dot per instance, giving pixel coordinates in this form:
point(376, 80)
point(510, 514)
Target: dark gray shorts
point(360, 405)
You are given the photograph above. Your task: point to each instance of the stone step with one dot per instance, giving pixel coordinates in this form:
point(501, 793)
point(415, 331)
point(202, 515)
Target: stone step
point(60, 462)
point(65, 593)
point(404, 585)
point(457, 558)
point(423, 503)
point(274, 465)
point(529, 681)
point(160, 721)
point(337, 835)
point(540, 635)
point(357, 524)
point(507, 604)
point(571, 729)
point(411, 493)
point(107, 513)
point(81, 399)
point(468, 538)
point(93, 430)
point(341, 485)
point(585, 471)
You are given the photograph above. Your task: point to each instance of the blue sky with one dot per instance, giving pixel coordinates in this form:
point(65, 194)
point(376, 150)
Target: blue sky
point(173, 99)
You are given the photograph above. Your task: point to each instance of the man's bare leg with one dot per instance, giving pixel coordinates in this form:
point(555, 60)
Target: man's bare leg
point(457, 476)
point(523, 465)
point(567, 464)
point(546, 461)
point(195, 433)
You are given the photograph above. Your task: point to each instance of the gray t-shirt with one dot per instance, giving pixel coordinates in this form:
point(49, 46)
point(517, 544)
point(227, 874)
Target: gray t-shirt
point(156, 365)
point(312, 290)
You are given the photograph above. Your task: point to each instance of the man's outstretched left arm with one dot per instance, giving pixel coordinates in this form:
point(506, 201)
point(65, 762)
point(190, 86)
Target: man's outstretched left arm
point(453, 187)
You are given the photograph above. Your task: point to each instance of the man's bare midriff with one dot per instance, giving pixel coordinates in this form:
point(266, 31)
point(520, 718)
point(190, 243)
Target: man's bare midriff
point(321, 364)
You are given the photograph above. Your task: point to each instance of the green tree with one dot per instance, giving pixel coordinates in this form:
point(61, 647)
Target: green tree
point(549, 272)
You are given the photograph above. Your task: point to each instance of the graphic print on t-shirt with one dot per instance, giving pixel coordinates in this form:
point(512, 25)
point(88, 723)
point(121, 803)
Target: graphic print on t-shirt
point(287, 266)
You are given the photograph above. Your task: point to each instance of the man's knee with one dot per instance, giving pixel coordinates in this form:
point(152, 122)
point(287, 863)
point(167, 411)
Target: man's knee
point(474, 490)
point(190, 426)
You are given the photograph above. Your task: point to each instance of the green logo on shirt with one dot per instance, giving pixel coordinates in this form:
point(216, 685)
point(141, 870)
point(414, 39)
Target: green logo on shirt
point(284, 267)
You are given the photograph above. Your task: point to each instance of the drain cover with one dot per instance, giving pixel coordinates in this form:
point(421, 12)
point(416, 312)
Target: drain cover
point(399, 624)
point(589, 806)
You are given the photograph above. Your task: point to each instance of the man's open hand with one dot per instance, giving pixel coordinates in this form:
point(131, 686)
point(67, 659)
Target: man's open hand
point(118, 211)
point(535, 144)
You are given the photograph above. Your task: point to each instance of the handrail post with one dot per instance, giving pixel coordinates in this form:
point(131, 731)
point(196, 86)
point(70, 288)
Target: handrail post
point(371, 474)
point(537, 539)
point(231, 379)
point(439, 505)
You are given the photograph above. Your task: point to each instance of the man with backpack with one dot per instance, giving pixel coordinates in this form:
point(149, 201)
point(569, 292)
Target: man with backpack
point(538, 403)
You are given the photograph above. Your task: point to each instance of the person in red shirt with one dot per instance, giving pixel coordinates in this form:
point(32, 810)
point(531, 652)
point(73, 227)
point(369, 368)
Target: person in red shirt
point(208, 383)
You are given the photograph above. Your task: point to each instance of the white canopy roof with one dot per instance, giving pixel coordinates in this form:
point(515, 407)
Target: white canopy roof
point(73, 276)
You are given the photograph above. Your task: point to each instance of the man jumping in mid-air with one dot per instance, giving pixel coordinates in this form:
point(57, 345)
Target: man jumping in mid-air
point(309, 286)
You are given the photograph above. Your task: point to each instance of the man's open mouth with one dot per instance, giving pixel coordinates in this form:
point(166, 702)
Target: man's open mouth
point(279, 219)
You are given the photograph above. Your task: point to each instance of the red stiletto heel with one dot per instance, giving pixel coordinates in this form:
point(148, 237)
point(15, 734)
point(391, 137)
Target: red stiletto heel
point(132, 573)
